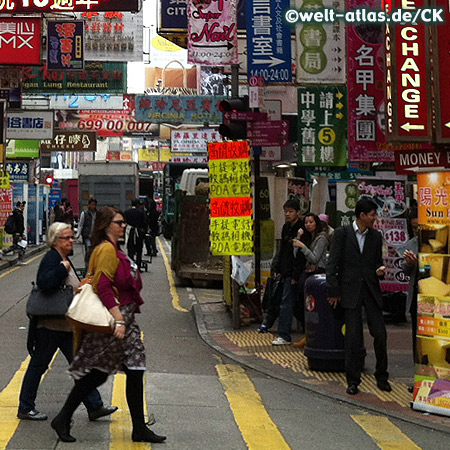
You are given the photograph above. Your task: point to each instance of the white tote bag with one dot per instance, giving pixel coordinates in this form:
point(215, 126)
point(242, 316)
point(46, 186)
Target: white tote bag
point(88, 312)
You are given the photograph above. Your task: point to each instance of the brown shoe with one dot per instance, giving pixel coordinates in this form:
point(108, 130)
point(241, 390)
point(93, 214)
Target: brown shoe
point(300, 344)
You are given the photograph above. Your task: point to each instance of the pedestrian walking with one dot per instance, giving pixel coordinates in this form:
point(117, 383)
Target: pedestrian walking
point(68, 213)
point(117, 281)
point(85, 227)
point(354, 268)
point(18, 232)
point(153, 226)
point(135, 217)
point(46, 336)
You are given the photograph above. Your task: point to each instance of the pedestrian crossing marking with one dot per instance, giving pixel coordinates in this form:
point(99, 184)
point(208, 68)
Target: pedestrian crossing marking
point(257, 428)
point(173, 289)
point(385, 434)
point(9, 399)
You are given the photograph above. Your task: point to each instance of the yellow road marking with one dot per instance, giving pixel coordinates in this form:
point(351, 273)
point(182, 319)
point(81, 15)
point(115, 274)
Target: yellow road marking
point(257, 428)
point(173, 289)
point(385, 434)
point(17, 268)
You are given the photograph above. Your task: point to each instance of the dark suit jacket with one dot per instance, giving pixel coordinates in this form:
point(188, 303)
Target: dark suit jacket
point(347, 268)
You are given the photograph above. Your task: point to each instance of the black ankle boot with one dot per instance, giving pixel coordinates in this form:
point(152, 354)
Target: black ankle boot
point(62, 427)
point(146, 435)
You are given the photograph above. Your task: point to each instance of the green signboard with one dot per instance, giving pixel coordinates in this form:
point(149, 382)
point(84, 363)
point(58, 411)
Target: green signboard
point(322, 120)
point(21, 148)
point(97, 77)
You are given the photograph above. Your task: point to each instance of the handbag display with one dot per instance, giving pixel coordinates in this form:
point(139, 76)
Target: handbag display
point(49, 305)
point(88, 312)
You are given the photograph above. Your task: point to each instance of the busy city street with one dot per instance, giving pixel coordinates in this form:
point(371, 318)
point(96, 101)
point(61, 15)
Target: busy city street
point(200, 398)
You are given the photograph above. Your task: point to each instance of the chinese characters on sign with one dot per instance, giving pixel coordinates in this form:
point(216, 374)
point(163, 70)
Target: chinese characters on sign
point(178, 109)
point(55, 6)
point(231, 224)
point(65, 141)
point(29, 125)
point(268, 40)
point(212, 33)
point(6, 196)
point(320, 47)
point(20, 41)
point(434, 200)
point(321, 126)
point(65, 45)
point(193, 141)
point(18, 171)
point(365, 75)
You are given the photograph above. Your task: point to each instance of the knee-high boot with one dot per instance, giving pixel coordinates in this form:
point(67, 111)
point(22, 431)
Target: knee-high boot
point(135, 399)
point(83, 386)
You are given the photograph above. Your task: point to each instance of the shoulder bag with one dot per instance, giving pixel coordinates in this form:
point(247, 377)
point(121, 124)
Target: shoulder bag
point(49, 305)
point(87, 311)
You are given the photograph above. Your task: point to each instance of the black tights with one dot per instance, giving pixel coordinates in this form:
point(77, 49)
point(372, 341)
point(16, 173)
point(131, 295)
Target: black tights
point(134, 393)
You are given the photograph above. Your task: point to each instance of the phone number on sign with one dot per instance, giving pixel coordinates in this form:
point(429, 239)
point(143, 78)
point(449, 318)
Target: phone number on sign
point(113, 125)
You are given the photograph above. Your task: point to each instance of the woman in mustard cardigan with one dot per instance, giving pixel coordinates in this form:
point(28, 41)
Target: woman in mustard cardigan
point(116, 280)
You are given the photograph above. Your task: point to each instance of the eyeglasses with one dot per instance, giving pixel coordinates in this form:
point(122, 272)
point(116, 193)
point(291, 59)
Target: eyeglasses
point(121, 223)
point(67, 238)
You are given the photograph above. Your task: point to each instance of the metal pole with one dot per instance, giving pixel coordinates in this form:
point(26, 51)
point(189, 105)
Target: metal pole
point(257, 220)
point(234, 80)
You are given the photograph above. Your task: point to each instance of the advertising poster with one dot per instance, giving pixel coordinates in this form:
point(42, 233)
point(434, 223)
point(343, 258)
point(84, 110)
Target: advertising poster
point(6, 196)
point(346, 198)
point(320, 47)
point(365, 81)
point(65, 45)
point(231, 204)
point(322, 125)
point(20, 41)
point(212, 32)
point(390, 197)
point(300, 189)
point(432, 374)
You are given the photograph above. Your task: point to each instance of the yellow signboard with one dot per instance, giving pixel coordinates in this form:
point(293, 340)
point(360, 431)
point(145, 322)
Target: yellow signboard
point(4, 180)
point(433, 190)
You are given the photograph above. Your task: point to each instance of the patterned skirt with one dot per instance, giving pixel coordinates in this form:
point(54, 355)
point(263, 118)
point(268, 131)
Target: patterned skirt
point(108, 354)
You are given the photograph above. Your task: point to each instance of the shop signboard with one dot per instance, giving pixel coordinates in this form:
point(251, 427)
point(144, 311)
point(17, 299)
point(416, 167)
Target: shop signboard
point(408, 94)
point(66, 6)
point(21, 148)
point(188, 141)
point(320, 47)
point(432, 368)
point(6, 197)
point(18, 171)
point(365, 77)
point(20, 41)
point(94, 101)
point(29, 125)
point(231, 206)
point(71, 141)
point(97, 77)
point(268, 41)
point(413, 161)
point(322, 126)
point(113, 35)
point(169, 109)
point(65, 45)
point(212, 33)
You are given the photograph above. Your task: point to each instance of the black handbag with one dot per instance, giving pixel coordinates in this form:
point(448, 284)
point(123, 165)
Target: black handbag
point(49, 305)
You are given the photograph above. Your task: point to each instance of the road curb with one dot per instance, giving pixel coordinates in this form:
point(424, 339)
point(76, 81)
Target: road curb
point(31, 252)
point(197, 313)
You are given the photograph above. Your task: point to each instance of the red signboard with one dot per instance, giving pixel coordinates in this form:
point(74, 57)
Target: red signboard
point(55, 6)
point(407, 71)
point(441, 61)
point(223, 150)
point(408, 162)
point(231, 206)
point(20, 41)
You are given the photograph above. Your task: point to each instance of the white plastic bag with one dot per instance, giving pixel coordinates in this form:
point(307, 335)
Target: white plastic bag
point(241, 270)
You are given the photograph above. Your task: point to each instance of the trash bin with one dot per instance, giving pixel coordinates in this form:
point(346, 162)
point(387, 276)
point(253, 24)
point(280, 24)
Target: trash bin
point(324, 335)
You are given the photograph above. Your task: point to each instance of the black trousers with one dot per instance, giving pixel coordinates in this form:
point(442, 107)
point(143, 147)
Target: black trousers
point(354, 339)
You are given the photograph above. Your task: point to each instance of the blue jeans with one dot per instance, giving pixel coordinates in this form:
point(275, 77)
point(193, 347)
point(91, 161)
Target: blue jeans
point(288, 300)
point(47, 342)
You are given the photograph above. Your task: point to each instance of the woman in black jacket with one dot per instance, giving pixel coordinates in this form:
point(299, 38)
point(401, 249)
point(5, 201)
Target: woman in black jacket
point(45, 336)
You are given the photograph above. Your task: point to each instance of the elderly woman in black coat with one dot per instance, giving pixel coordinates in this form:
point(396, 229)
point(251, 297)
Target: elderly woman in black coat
point(47, 335)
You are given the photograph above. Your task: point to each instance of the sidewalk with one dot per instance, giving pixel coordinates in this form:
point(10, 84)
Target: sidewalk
point(255, 351)
point(11, 259)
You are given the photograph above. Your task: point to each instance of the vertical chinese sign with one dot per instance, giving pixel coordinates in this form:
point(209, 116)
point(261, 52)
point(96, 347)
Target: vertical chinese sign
point(212, 32)
point(231, 223)
point(322, 126)
point(432, 374)
point(365, 80)
point(65, 45)
point(6, 197)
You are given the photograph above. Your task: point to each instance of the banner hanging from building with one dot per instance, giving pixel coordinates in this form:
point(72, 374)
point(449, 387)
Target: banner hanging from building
point(212, 33)
point(65, 45)
point(20, 41)
point(96, 77)
point(322, 126)
point(320, 48)
point(64, 6)
point(231, 206)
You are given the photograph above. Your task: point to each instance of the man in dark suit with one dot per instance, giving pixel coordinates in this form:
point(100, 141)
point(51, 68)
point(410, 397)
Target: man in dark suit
point(354, 268)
